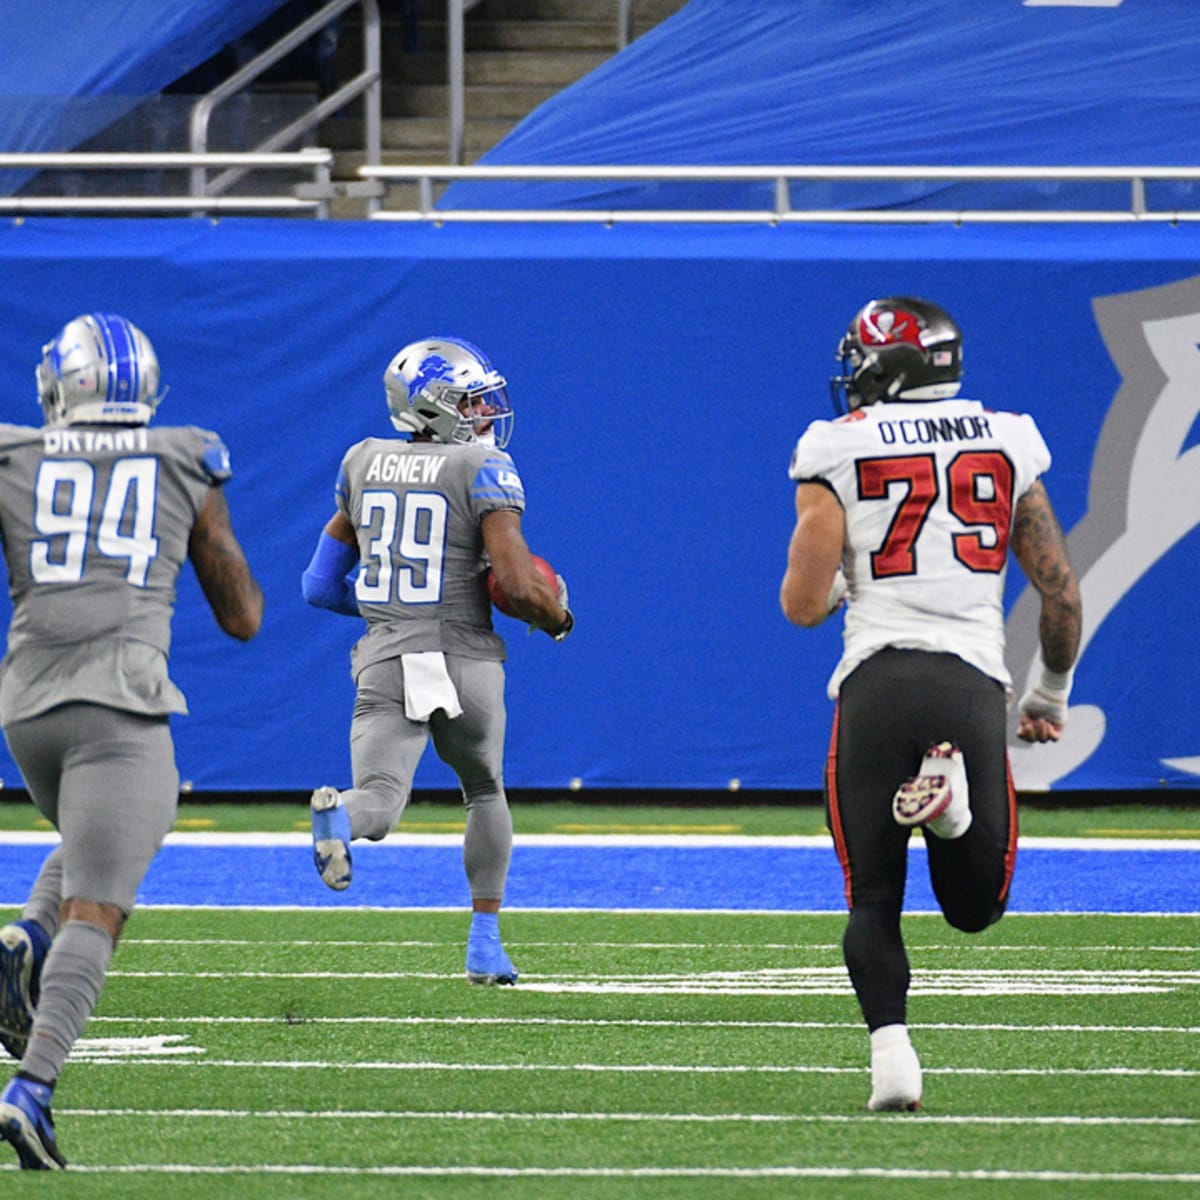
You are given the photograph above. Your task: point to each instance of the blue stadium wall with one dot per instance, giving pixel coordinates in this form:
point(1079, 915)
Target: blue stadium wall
point(661, 376)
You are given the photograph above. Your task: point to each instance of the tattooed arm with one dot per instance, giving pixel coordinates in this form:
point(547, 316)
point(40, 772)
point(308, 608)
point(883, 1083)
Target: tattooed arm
point(1040, 548)
point(230, 589)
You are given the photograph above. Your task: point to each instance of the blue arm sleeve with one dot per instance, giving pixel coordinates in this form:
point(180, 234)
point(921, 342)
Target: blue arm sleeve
point(325, 583)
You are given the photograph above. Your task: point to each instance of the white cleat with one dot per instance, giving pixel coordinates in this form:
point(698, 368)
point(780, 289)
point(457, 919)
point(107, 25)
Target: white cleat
point(936, 798)
point(895, 1071)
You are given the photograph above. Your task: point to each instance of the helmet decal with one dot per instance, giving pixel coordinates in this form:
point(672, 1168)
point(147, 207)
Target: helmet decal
point(431, 368)
point(888, 326)
point(897, 348)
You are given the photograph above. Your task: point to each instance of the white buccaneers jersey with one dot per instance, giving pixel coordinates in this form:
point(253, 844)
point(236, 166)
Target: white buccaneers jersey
point(929, 490)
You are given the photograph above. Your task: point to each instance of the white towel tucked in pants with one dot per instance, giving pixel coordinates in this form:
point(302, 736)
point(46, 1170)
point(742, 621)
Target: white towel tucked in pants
point(428, 686)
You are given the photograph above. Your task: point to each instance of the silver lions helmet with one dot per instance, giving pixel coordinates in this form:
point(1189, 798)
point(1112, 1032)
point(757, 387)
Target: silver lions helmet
point(446, 389)
point(100, 368)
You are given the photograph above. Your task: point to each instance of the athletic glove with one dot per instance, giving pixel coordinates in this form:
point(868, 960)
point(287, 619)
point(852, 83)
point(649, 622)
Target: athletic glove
point(568, 624)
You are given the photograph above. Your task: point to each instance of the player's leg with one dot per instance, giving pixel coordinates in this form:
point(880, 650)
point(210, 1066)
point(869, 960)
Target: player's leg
point(971, 873)
point(385, 748)
point(867, 754)
point(472, 744)
point(117, 800)
point(24, 943)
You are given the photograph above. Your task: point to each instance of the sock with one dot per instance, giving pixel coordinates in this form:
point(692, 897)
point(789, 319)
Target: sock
point(72, 977)
point(951, 824)
point(485, 927)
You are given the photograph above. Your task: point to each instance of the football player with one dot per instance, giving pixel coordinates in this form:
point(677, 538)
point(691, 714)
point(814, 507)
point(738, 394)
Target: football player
point(419, 519)
point(98, 513)
point(907, 508)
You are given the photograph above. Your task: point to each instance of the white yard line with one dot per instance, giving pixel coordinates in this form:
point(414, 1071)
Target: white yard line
point(490, 1172)
point(299, 1114)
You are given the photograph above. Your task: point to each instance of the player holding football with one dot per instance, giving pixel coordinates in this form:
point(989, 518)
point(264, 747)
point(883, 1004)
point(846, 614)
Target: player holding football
point(907, 508)
point(418, 521)
point(98, 512)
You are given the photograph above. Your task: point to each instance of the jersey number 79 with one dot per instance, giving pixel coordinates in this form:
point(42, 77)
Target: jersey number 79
point(978, 490)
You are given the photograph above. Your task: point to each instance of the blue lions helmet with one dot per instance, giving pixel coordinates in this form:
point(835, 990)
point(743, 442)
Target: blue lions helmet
point(100, 368)
point(447, 390)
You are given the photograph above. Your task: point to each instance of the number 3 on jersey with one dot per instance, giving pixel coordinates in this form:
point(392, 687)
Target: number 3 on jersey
point(978, 491)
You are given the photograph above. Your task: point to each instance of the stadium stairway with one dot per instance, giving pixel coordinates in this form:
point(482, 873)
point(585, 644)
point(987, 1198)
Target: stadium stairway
point(517, 54)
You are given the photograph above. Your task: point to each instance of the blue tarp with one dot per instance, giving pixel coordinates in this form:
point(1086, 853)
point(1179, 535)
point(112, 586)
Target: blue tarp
point(71, 68)
point(825, 82)
point(660, 377)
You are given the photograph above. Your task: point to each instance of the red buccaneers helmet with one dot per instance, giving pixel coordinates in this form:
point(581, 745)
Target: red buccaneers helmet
point(898, 348)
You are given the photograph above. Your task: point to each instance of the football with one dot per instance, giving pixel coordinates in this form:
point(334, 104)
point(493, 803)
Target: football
point(496, 593)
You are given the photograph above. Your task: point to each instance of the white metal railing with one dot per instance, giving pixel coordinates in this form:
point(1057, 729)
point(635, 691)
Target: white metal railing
point(367, 82)
point(316, 163)
point(781, 178)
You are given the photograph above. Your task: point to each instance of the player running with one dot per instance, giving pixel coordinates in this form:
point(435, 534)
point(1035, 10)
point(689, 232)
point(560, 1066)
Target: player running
point(907, 507)
point(418, 521)
point(98, 512)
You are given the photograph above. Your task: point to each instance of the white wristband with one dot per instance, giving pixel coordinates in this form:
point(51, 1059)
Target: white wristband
point(837, 592)
point(1056, 683)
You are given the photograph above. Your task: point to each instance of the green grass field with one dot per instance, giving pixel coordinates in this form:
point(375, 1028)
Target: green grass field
point(1148, 819)
point(313, 1054)
point(318, 1054)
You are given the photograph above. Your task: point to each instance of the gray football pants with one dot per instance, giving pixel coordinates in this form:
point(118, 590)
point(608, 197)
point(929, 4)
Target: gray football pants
point(107, 780)
point(385, 748)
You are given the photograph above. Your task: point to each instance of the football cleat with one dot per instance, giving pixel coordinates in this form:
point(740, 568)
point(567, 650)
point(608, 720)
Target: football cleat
point(895, 1071)
point(22, 953)
point(936, 798)
point(26, 1124)
point(487, 963)
point(331, 838)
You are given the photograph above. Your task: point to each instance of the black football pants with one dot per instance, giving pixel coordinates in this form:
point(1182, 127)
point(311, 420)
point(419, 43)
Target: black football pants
point(890, 710)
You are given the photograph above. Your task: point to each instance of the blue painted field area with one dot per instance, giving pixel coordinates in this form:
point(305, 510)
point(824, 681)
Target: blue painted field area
point(791, 875)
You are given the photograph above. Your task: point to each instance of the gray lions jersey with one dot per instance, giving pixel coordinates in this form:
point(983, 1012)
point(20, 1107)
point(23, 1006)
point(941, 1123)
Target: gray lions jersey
point(95, 521)
point(417, 508)
point(929, 491)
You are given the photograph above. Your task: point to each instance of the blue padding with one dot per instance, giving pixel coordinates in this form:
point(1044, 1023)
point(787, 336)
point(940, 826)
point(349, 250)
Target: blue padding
point(659, 377)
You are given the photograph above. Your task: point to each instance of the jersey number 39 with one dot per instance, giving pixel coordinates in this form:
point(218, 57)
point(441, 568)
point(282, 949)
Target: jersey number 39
point(413, 525)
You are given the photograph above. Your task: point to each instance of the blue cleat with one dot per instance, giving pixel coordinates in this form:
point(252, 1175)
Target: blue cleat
point(26, 1124)
point(331, 838)
point(23, 948)
point(487, 963)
